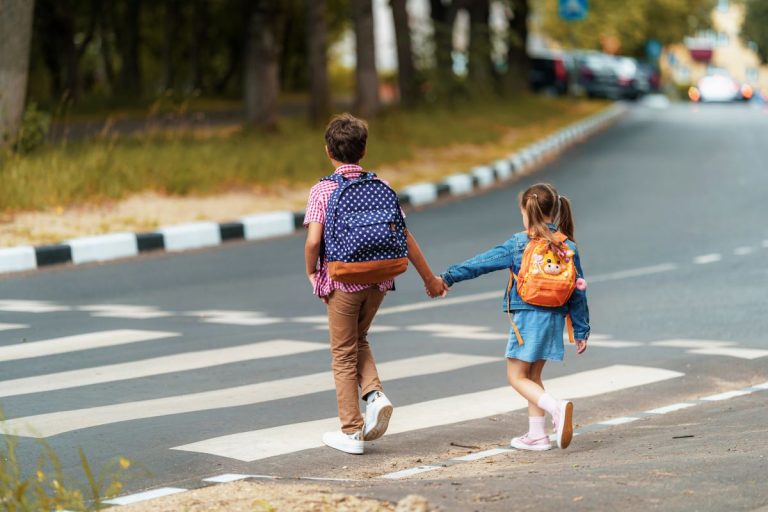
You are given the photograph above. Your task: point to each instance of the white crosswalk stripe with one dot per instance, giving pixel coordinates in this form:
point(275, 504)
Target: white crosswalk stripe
point(713, 348)
point(79, 342)
point(461, 332)
point(30, 306)
point(11, 327)
point(252, 318)
point(46, 425)
point(264, 443)
point(155, 366)
point(125, 311)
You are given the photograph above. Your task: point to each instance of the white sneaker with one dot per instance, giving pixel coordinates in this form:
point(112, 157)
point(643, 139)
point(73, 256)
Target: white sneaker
point(347, 443)
point(377, 413)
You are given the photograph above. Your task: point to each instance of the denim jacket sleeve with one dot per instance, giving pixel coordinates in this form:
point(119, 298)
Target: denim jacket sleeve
point(577, 305)
point(498, 258)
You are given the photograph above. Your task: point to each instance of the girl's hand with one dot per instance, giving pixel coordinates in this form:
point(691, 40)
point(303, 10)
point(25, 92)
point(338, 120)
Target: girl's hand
point(581, 346)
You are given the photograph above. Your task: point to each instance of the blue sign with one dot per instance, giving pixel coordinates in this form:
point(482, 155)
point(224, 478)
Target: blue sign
point(573, 10)
point(653, 49)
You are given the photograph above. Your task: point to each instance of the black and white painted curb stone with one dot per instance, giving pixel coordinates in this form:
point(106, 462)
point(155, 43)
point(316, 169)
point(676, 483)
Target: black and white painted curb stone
point(428, 468)
point(197, 235)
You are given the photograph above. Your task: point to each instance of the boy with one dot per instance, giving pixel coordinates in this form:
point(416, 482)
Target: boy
point(352, 307)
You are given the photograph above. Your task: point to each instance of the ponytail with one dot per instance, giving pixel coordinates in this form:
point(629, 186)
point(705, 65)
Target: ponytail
point(542, 201)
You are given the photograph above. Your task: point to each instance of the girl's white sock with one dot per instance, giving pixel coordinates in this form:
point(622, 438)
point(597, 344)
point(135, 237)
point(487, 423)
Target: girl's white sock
point(548, 403)
point(536, 427)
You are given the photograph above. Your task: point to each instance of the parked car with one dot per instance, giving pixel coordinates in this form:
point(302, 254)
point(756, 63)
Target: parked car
point(633, 80)
point(717, 86)
point(596, 75)
point(549, 73)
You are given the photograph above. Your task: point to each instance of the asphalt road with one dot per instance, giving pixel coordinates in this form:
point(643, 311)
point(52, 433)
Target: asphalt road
point(670, 212)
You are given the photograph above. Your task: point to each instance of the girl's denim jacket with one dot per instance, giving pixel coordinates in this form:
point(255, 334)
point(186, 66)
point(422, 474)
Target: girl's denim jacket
point(510, 255)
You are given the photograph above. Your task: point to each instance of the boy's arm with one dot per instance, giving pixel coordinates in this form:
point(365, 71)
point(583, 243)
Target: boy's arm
point(312, 249)
point(433, 283)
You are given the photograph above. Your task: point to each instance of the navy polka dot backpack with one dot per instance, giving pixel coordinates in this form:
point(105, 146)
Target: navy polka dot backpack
point(365, 234)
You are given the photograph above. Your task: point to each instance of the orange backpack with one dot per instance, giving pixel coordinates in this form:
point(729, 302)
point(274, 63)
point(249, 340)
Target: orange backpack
point(545, 278)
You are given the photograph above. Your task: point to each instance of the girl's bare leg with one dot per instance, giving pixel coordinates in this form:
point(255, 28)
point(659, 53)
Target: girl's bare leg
point(535, 375)
point(519, 375)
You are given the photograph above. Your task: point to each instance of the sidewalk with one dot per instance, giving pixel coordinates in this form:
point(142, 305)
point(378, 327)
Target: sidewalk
point(709, 457)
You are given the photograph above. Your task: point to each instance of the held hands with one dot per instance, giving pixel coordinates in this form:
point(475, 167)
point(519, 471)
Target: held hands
point(581, 346)
point(436, 287)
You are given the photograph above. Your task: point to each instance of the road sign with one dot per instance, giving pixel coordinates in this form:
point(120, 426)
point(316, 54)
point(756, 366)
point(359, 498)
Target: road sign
point(573, 10)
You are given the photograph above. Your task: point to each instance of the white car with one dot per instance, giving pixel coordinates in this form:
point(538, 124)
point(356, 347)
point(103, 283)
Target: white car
point(716, 87)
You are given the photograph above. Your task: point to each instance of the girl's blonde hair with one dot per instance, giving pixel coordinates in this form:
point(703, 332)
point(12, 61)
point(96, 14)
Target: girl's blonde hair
point(541, 201)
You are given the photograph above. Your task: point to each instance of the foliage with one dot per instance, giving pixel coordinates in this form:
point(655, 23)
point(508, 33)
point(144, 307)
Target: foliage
point(48, 488)
point(629, 24)
point(34, 129)
point(755, 27)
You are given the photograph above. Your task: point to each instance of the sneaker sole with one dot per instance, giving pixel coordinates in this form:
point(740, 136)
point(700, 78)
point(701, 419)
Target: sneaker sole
point(382, 423)
point(531, 448)
point(346, 449)
point(565, 432)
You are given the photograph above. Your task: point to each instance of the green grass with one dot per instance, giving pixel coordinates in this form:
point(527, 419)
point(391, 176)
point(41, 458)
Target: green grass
point(190, 163)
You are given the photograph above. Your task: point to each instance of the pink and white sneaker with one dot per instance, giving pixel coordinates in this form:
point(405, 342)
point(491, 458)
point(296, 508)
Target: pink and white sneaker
point(564, 423)
point(527, 443)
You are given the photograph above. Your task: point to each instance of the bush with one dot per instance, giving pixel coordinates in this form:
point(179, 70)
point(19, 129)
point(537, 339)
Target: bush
point(34, 130)
point(48, 488)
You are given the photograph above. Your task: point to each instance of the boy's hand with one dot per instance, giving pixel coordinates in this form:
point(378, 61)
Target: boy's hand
point(581, 346)
point(436, 287)
point(313, 281)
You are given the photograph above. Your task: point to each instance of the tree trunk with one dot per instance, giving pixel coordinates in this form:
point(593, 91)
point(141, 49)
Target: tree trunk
point(261, 83)
point(317, 41)
point(172, 13)
point(480, 47)
point(367, 80)
point(15, 38)
point(518, 62)
point(443, 18)
point(128, 34)
point(406, 71)
point(199, 37)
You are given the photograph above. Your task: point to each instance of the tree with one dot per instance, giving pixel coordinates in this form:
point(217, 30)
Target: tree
point(518, 61)
point(126, 16)
point(406, 71)
point(317, 46)
point(755, 27)
point(261, 78)
point(367, 102)
point(480, 64)
point(628, 25)
point(443, 18)
point(15, 37)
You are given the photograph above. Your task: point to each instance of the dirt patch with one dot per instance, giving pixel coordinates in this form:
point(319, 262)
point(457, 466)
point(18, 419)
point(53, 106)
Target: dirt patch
point(270, 496)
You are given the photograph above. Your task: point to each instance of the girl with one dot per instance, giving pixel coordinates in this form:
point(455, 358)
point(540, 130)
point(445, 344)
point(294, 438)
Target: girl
point(536, 335)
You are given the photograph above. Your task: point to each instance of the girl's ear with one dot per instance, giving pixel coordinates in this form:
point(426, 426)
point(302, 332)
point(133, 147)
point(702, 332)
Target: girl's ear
point(328, 152)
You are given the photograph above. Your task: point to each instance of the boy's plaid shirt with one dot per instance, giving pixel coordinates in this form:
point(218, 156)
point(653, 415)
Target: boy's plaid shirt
point(316, 207)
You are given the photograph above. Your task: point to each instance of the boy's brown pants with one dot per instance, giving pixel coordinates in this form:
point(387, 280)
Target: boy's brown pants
point(349, 317)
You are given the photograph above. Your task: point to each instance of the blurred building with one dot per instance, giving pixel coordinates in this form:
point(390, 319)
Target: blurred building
point(721, 47)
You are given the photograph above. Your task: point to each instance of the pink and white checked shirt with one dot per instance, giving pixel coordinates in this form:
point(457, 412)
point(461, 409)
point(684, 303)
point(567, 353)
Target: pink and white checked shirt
point(316, 206)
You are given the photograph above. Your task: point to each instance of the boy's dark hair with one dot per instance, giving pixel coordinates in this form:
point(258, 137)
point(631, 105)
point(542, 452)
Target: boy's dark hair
point(346, 137)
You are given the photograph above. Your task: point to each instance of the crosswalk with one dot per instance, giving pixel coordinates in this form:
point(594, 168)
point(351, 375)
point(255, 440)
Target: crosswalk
point(298, 370)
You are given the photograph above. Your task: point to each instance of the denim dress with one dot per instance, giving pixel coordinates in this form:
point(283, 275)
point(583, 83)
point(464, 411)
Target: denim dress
point(540, 327)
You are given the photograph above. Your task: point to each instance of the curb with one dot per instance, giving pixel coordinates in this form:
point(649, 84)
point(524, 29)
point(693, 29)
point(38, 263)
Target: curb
point(197, 235)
